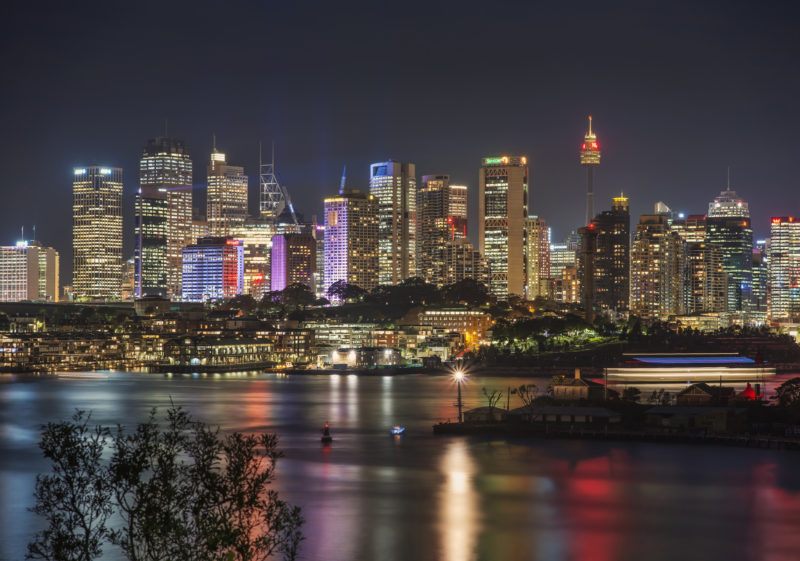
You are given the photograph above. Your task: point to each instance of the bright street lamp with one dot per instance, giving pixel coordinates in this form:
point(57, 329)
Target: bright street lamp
point(458, 376)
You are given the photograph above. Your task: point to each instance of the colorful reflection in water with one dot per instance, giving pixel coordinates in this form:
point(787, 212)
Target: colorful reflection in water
point(371, 495)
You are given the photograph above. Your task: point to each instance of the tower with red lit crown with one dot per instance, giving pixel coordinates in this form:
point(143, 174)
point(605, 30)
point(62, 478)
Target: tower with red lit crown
point(590, 157)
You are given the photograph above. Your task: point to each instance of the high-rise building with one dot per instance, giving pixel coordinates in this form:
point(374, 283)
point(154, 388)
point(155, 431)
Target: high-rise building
point(612, 260)
point(394, 186)
point(760, 281)
point(460, 261)
point(705, 288)
point(256, 237)
point(586, 261)
point(163, 223)
point(441, 217)
point(213, 269)
point(692, 228)
point(784, 269)
point(590, 157)
point(226, 202)
point(502, 212)
point(29, 271)
point(351, 239)
point(656, 270)
point(563, 255)
point(728, 228)
point(294, 261)
point(97, 233)
point(538, 257)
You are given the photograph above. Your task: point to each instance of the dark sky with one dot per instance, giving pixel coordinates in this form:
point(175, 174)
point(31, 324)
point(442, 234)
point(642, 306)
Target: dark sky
point(678, 91)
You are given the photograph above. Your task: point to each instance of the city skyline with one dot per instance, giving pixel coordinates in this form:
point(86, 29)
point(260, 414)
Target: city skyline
point(703, 90)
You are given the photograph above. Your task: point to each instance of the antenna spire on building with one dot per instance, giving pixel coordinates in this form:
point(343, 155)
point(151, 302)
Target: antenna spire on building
point(344, 179)
point(214, 142)
point(729, 178)
point(590, 124)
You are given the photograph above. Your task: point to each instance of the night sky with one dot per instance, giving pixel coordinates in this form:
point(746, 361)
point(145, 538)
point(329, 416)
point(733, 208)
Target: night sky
point(678, 92)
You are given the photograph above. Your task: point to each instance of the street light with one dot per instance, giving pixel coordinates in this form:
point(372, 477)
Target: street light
point(458, 376)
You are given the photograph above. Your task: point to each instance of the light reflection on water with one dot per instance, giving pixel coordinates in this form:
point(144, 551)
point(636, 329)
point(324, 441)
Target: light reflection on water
point(374, 496)
point(458, 503)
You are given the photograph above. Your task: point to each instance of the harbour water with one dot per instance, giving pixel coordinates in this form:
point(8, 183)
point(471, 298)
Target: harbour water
point(371, 495)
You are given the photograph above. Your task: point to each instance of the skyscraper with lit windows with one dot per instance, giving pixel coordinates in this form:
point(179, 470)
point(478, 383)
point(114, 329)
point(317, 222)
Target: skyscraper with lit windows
point(163, 223)
point(441, 217)
point(394, 186)
point(728, 228)
point(351, 239)
point(538, 257)
point(97, 233)
point(783, 265)
point(656, 270)
point(502, 212)
point(226, 202)
point(213, 269)
point(294, 261)
point(612, 260)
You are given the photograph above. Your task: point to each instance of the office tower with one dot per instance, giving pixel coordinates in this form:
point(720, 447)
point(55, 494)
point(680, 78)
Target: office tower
point(656, 269)
point(538, 257)
point(760, 277)
point(97, 233)
point(728, 228)
point(502, 211)
point(213, 269)
point(226, 202)
point(441, 217)
point(294, 261)
point(163, 216)
point(612, 260)
point(590, 157)
point(568, 285)
point(29, 271)
point(394, 186)
point(351, 239)
point(256, 237)
point(563, 255)
point(784, 269)
point(128, 291)
point(705, 288)
point(691, 229)
point(586, 260)
point(460, 261)
point(319, 277)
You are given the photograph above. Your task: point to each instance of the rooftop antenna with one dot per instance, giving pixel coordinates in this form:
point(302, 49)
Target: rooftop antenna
point(590, 124)
point(344, 180)
point(214, 142)
point(729, 178)
point(34, 231)
point(22, 235)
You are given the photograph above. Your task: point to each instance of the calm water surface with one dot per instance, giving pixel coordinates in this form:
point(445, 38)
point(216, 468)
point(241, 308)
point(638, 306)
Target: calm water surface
point(371, 496)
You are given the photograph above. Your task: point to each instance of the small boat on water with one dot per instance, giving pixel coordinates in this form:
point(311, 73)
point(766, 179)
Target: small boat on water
point(326, 435)
point(398, 430)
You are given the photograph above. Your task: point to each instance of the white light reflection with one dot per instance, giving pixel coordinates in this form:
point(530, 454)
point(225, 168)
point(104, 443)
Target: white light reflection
point(458, 504)
point(387, 400)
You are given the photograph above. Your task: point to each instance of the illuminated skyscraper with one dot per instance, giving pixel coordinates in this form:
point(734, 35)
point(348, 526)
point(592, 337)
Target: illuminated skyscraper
point(97, 233)
point(461, 261)
point(538, 257)
point(728, 228)
point(441, 217)
point(656, 270)
point(29, 271)
point(705, 288)
point(502, 212)
point(213, 269)
point(394, 186)
point(351, 239)
point(294, 260)
point(784, 269)
point(163, 224)
point(226, 202)
point(590, 157)
point(612, 260)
